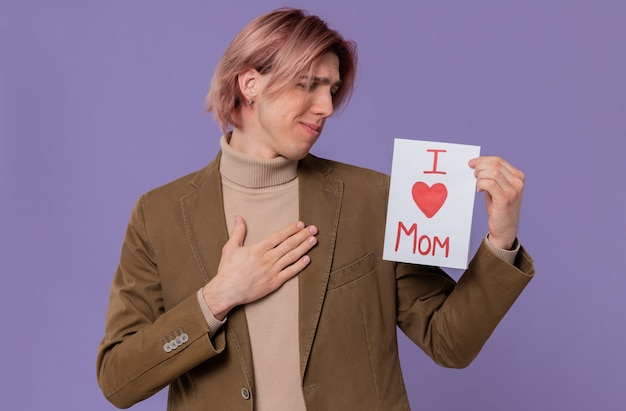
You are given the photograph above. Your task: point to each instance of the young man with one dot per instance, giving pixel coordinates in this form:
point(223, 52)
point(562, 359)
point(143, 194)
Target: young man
point(283, 315)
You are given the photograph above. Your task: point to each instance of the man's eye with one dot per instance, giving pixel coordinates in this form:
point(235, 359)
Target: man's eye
point(307, 86)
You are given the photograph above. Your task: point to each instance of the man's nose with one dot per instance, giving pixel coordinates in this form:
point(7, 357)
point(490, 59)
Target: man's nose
point(323, 103)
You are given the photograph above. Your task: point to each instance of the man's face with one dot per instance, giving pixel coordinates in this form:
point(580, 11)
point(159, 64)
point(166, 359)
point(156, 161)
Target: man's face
point(288, 125)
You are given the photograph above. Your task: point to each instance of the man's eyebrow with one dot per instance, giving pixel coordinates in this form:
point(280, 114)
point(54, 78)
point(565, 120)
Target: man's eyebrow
point(324, 80)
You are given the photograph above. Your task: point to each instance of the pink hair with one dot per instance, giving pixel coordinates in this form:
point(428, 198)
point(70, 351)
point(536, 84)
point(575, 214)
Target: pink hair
point(287, 43)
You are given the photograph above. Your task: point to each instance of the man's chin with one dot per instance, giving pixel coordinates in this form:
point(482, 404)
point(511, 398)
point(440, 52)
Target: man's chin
point(297, 157)
point(298, 153)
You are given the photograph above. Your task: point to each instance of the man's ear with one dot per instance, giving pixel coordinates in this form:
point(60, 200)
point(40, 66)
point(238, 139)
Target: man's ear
point(249, 84)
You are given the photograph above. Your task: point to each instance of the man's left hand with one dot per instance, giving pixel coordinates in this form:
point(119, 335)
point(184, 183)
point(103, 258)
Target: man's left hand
point(503, 185)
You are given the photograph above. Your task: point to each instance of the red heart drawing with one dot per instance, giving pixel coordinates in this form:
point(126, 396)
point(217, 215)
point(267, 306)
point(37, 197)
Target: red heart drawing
point(429, 199)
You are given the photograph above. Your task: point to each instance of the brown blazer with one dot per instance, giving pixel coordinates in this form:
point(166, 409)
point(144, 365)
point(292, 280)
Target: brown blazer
point(350, 300)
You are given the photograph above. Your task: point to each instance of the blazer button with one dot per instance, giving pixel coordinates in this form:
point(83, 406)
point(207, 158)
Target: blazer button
point(245, 393)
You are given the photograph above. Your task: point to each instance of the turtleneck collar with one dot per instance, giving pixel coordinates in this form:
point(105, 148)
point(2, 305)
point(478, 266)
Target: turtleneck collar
point(252, 172)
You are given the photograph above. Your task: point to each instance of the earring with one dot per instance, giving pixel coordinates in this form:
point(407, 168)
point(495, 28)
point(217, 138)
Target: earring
point(249, 102)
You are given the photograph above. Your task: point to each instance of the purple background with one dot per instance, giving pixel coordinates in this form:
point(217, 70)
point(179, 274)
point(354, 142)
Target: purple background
point(102, 101)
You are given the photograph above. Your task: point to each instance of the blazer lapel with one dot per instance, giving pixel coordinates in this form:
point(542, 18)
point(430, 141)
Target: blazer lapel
point(203, 214)
point(320, 204)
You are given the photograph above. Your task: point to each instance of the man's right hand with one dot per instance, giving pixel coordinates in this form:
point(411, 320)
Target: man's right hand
point(248, 273)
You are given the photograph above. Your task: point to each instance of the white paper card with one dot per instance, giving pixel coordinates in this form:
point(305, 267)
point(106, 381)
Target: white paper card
point(431, 202)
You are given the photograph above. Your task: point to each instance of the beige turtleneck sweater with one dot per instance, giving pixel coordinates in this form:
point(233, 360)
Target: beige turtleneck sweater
point(265, 194)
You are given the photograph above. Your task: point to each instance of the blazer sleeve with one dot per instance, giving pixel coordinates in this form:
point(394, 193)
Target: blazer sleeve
point(451, 322)
point(146, 347)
